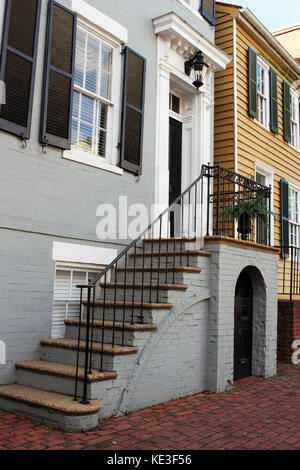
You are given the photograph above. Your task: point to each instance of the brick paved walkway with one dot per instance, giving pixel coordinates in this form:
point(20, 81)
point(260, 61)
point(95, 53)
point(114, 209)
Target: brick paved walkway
point(259, 414)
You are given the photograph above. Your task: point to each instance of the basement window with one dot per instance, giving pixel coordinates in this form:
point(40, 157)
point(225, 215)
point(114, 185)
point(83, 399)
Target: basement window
point(66, 301)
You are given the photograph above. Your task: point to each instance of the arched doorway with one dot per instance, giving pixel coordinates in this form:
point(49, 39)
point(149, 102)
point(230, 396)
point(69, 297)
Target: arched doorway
point(243, 326)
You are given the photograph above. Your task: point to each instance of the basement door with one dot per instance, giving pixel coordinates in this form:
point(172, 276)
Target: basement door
point(243, 319)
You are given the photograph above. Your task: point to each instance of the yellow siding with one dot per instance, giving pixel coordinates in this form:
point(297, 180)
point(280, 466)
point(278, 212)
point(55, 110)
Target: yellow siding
point(224, 99)
point(254, 142)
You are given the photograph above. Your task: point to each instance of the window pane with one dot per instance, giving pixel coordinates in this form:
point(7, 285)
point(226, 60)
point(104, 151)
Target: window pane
point(102, 116)
point(105, 85)
point(74, 132)
point(80, 57)
point(101, 142)
point(106, 61)
point(76, 104)
point(87, 109)
point(85, 137)
point(92, 65)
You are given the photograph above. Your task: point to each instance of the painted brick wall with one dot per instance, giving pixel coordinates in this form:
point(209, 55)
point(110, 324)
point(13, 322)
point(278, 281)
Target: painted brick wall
point(288, 328)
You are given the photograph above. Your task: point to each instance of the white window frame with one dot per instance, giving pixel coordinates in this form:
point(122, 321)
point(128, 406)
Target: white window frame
point(111, 160)
point(294, 223)
point(269, 173)
point(295, 121)
point(193, 6)
point(265, 96)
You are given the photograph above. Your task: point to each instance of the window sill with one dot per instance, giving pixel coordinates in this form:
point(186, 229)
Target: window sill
point(91, 160)
point(294, 148)
point(261, 125)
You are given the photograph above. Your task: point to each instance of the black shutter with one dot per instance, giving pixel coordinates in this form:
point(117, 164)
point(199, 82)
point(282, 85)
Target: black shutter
point(208, 10)
point(252, 83)
point(273, 102)
point(133, 111)
point(287, 126)
point(285, 216)
point(18, 64)
point(59, 77)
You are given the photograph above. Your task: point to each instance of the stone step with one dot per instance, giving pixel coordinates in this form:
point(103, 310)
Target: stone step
point(190, 258)
point(158, 275)
point(163, 293)
point(56, 377)
point(53, 409)
point(64, 351)
point(131, 312)
point(167, 244)
point(130, 335)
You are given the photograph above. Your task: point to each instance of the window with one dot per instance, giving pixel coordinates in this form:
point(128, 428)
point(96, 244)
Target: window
point(174, 104)
point(262, 93)
point(261, 229)
point(265, 175)
point(66, 303)
point(92, 95)
point(294, 120)
point(208, 10)
point(294, 217)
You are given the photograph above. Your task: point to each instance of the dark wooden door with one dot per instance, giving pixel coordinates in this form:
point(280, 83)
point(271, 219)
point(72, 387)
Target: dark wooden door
point(175, 167)
point(243, 319)
point(175, 159)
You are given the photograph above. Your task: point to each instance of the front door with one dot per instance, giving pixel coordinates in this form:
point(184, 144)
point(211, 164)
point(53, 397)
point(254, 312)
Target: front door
point(175, 165)
point(243, 319)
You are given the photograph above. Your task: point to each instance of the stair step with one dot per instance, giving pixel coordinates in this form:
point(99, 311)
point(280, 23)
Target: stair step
point(178, 269)
point(64, 370)
point(116, 325)
point(120, 304)
point(72, 344)
point(52, 401)
point(170, 240)
point(169, 254)
point(120, 285)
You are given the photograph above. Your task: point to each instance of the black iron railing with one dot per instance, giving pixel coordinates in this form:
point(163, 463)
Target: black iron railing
point(216, 203)
point(289, 272)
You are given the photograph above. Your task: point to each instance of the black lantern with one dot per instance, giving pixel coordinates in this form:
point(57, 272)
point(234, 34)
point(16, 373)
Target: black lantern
point(199, 68)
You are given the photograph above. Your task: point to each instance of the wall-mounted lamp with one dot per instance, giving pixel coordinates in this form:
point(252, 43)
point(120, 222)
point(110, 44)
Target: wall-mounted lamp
point(198, 67)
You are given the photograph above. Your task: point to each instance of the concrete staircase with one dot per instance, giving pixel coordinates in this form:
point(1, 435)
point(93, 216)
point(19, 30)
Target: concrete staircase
point(167, 273)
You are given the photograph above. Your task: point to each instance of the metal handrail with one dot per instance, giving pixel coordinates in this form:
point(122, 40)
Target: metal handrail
point(289, 284)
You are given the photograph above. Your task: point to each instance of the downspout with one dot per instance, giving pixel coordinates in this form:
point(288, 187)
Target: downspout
point(235, 98)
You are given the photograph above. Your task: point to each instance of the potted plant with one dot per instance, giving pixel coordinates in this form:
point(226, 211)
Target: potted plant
point(245, 211)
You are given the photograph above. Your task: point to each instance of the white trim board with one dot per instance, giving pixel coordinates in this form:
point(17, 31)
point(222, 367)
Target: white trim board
point(98, 18)
point(85, 254)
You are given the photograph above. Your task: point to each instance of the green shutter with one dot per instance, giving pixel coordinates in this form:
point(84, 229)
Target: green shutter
point(285, 216)
point(287, 132)
point(252, 83)
point(273, 102)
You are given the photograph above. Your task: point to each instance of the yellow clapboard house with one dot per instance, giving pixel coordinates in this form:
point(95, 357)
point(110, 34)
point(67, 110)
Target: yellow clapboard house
point(257, 127)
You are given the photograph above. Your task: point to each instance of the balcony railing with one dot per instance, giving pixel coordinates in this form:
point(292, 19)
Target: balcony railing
point(289, 272)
